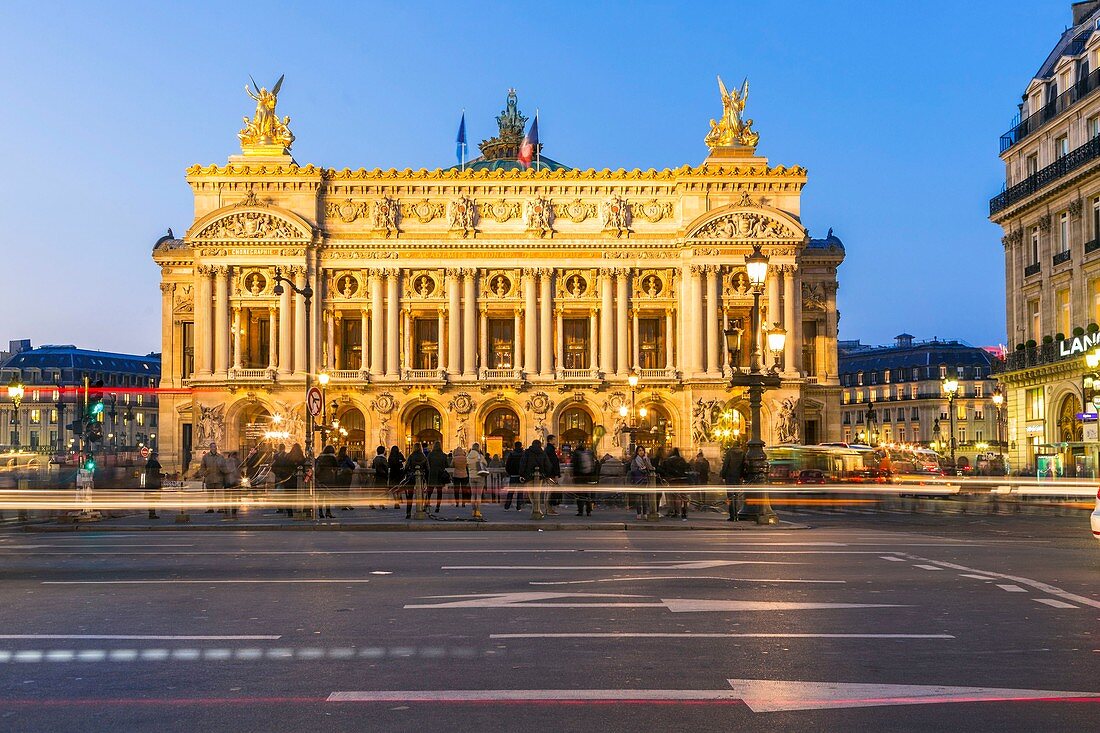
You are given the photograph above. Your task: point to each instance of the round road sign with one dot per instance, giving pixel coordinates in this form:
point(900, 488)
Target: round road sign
point(314, 401)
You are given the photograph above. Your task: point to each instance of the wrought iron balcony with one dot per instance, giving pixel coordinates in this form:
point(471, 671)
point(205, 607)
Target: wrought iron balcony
point(1024, 358)
point(1032, 184)
point(1092, 246)
point(1034, 122)
point(1060, 258)
point(1032, 269)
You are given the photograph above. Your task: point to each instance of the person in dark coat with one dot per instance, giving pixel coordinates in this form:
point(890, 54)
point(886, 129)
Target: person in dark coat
point(554, 473)
point(416, 469)
point(327, 470)
point(675, 470)
point(152, 479)
point(535, 459)
point(345, 471)
point(283, 470)
point(732, 473)
point(513, 466)
point(437, 474)
point(381, 468)
point(584, 474)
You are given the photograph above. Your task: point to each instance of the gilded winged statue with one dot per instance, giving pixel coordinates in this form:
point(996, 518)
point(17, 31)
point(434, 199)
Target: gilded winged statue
point(732, 129)
point(265, 128)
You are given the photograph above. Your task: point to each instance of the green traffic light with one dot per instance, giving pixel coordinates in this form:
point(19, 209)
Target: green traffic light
point(97, 408)
point(89, 465)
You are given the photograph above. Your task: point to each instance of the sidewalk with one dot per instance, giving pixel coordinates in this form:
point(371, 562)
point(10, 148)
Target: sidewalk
point(450, 518)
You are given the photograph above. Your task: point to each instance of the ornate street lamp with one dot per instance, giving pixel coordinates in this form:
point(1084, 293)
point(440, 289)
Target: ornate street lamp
point(777, 339)
point(951, 391)
point(998, 399)
point(15, 394)
point(307, 298)
point(756, 382)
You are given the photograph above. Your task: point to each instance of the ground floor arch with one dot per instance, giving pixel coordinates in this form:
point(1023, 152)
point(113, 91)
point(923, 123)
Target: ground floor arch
point(425, 426)
point(501, 429)
point(655, 426)
point(350, 431)
point(575, 427)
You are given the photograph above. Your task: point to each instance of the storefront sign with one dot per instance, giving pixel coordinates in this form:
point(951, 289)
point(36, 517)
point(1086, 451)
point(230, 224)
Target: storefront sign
point(1033, 429)
point(1091, 432)
point(1078, 344)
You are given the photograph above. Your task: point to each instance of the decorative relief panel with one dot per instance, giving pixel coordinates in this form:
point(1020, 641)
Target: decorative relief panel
point(498, 283)
point(576, 210)
point(422, 284)
point(652, 211)
point(252, 282)
point(813, 297)
point(423, 211)
point(384, 215)
point(345, 284)
point(616, 216)
point(538, 216)
point(462, 215)
point(576, 284)
point(499, 211)
point(347, 210)
point(251, 225)
point(184, 300)
point(654, 284)
point(735, 283)
point(745, 225)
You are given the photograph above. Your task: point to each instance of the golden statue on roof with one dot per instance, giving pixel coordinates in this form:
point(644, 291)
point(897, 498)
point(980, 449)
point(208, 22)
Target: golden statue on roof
point(265, 133)
point(732, 130)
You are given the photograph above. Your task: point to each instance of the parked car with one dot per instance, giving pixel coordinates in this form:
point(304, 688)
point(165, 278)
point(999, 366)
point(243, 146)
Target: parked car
point(811, 476)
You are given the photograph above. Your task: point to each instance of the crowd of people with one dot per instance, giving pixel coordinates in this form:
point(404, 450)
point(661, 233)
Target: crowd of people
point(522, 476)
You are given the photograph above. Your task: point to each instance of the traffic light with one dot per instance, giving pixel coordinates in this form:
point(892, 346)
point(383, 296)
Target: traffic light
point(93, 431)
point(89, 463)
point(77, 426)
point(95, 400)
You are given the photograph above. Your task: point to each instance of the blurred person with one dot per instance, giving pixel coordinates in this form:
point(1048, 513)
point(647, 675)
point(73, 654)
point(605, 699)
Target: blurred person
point(513, 467)
point(232, 482)
point(584, 471)
point(345, 471)
point(701, 466)
point(437, 474)
point(478, 470)
point(415, 470)
point(152, 481)
point(327, 469)
point(381, 483)
point(675, 470)
point(460, 475)
point(639, 471)
point(535, 467)
point(212, 471)
point(282, 468)
point(396, 474)
point(554, 474)
point(733, 475)
point(297, 483)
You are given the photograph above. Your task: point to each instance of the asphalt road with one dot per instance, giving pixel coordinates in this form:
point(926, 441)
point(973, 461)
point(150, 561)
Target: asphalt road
point(609, 631)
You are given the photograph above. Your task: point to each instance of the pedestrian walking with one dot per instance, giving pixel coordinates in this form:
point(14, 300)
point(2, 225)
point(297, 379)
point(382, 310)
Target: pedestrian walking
point(478, 469)
point(415, 470)
point(639, 473)
point(381, 484)
point(535, 468)
point(513, 466)
point(584, 475)
point(675, 470)
point(553, 473)
point(327, 468)
point(437, 474)
point(345, 471)
point(212, 471)
point(283, 470)
point(152, 482)
point(297, 483)
point(733, 471)
point(232, 483)
point(460, 476)
point(701, 466)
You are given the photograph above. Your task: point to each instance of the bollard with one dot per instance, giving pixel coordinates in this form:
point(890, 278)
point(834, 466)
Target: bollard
point(536, 496)
point(418, 495)
point(654, 513)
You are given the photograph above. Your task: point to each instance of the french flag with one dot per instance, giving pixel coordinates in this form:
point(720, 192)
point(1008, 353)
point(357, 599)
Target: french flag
point(530, 143)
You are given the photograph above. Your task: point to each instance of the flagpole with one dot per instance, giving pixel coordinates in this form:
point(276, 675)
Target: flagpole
point(463, 169)
point(538, 156)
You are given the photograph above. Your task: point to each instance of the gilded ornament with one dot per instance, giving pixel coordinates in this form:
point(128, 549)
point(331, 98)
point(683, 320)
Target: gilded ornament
point(462, 215)
point(744, 225)
point(500, 211)
point(575, 211)
point(265, 133)
point(347, 210)
point(652, 211)
point(732, 130)
point(384, 215)
point(423, 211)
point(538, 216)
point(616, 216)
point(250, 225)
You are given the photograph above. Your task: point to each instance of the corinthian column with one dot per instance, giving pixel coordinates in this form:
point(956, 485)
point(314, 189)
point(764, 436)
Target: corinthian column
point(393, 310)
point(546, 329)
point(300, 366)
point(517, 359)
point(483, 338)
point(204, 339)
point(169, 370)
point(377, 341)
point(236, 338)
point(773, 297)
point(221, 321)
point(713, 355)
point(530, 323)
point(669, 339)
point(469, 322)
point(789, 346)
point(637, 352)
point(454, 322)
point(439, 320)
point(271, 351)
point(796, 365)
point(622, 358)
point(607, 329)
point(559, 342)
point(364, 334)
point(593, 365)
point(690, 309)
point(286, 334)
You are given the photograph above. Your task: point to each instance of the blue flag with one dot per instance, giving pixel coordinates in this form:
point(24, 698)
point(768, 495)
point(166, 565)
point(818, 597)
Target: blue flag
point(460, 147)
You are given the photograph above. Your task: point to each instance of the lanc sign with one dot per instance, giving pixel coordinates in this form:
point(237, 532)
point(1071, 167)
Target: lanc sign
point(1078, 344)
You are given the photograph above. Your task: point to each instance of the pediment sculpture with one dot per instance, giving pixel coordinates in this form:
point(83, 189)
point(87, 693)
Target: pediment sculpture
point(745, 225)
point(251, 225)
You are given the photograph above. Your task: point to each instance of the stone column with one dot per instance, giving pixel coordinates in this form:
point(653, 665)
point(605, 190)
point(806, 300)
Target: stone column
point(236, 338)
point(606, 335)
point(169, 369)
point(593, 364)
point(330, 339)
point(713, 367)
point(559, 342)
point(300, 366)
point(517, 359)
point(668, 340)
point(469, 325)
point(530, 323)
point(272, 352)
point(393, 305)
point(406, 341)
point(483, 338)
point(364, 334)
point(796, 365)
point(774, 273)
point(204, 339)
point(830, 369)
point(454, 322)
point(788, 318)
point(637, 354)
point(622, 303)
point(692, 333)
point(221, 321)
point(546, 353)
point(376, 365)
point(286, 333)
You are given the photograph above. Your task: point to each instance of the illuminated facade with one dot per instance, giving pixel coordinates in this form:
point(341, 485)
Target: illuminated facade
point(492, 302)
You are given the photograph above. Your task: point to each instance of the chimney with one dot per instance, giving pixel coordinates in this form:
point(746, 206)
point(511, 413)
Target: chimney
point(1082, 10)
point(905, 340)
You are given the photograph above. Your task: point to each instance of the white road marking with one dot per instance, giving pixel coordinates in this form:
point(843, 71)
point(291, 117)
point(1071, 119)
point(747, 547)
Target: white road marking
point(927, 567)
point(699, 565)
point(90, 546)
point(675, 605)
point(1038, 585)
point(146, 637)
point(591, 551)
point(892, 559)
point(1053, 603)
point(564, 696)
point(176, 581)
point(709, 635)
point(221, 654)
point(1011, 588)
point(975, 577)
point(766, 696)
point(633, 578)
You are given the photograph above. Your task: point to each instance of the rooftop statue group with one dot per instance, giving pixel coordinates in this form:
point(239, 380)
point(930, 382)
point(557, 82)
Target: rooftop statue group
point(265, 129)
point(732, 129)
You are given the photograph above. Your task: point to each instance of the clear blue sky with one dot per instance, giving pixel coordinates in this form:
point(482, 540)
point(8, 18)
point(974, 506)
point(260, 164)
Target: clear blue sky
point(895, 108)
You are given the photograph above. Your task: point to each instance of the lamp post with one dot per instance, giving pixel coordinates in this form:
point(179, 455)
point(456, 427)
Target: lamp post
point(951, 391)
point(15, 393)
point(998, 400)
point(307, 298)
point(756, 381)
point(60, 401)
point(323, 380)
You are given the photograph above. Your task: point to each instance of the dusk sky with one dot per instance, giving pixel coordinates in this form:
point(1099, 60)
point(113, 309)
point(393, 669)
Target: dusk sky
point(894, 107)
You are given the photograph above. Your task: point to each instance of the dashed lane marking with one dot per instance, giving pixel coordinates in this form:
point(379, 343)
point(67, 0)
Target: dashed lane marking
point(708, 635)
point(1053, 603)
point(892, 559)
point(928, 567)
point(144, 637)
point(1011, 588)
point(975, 577)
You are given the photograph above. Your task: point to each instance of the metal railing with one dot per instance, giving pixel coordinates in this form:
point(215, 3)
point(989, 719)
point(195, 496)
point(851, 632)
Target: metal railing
point(656, 373)
point(1068, 163)
point(577, 374)
point(1092, 246)
point(250, 374)
point(347, 375)
point(1032, 269)
point(1060, 258)
point(1035, 121)
point(499, 374)
point(1024, 358)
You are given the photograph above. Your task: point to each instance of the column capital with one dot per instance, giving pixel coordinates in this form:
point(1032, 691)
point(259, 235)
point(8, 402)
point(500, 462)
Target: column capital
point(697, 269)
point(167, 288)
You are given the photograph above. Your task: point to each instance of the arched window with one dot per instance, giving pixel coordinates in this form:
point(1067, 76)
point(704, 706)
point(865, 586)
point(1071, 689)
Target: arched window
point(575, 428)
point(426, 426)
point(655, 429)
point(1070, 429)
point(351, 432)
point(503, 423)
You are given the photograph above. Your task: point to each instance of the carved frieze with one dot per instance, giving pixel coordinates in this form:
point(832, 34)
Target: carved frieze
point(538, 217)
point(384, 215)
point(500, 210)
point(423, 211)
point(652, 211)
point(575, 211)
point(251, 225)
point(616, 216)
point(346, 211)
point(745, 225)
point(813, 296)
point(462, 215)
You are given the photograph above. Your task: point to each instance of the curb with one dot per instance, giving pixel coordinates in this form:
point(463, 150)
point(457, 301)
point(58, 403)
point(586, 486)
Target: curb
point(447, 526)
